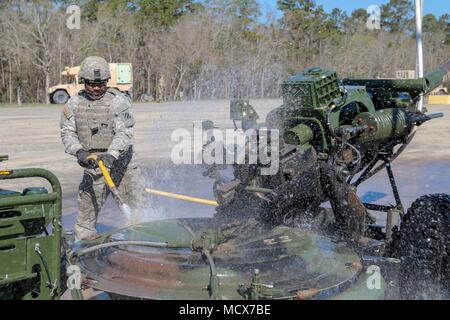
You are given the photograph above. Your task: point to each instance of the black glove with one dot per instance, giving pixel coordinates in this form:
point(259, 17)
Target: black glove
point(83, 161)
point(107, 159)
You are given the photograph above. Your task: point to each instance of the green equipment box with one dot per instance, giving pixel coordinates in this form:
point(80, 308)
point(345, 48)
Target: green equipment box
point(30, 238)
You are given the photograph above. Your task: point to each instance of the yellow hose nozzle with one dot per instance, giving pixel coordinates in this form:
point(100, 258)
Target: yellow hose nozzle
point(110, 183)
point(104, 170)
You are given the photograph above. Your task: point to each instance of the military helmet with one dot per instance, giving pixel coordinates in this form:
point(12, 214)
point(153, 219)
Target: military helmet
point(94, 69)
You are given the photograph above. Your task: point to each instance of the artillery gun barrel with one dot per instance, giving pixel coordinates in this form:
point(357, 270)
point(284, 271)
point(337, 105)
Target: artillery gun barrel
point(435, 115)
point(300, 134)
point(436, 77)
point(414, 86)
point(421, 118)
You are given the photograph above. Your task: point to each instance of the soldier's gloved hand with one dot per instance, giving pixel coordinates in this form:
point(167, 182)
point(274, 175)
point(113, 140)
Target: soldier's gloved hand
point(107, 159)
point(83, 161)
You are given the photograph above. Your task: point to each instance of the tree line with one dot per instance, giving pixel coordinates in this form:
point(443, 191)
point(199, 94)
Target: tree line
point(207, 49)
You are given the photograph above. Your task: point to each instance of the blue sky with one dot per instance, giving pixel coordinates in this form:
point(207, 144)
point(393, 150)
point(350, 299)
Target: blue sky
point(437, 7)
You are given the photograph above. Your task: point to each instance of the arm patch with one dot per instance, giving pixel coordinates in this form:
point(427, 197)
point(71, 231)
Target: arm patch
point(123, 110)
point(127, 118)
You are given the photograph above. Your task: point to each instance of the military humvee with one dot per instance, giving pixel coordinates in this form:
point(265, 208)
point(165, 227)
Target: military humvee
point(121, 79)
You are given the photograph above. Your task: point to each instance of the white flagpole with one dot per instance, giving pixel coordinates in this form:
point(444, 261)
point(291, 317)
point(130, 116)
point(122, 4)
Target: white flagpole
point(419, 62)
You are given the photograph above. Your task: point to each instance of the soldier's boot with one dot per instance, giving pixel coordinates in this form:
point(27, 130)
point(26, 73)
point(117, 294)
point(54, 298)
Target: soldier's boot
point(92, 194)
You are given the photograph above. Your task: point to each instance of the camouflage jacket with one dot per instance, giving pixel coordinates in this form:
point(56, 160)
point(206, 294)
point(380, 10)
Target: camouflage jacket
point(122, 118)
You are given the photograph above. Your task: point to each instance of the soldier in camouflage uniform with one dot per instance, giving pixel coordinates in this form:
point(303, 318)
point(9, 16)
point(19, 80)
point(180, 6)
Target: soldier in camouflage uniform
point(99, 120)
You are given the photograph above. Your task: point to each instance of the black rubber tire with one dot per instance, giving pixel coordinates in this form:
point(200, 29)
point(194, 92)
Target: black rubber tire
point(60, 97)
point(145, 98)
point(424, 249)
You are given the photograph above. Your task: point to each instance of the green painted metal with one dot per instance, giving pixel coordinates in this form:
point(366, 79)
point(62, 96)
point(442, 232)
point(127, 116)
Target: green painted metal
point(434, 79)
point(346, 127)
point(30, 253)
point(357, 100)
point(413, 86)
point(257, 264)
point(395, 84)
point(317, 127)
point(30, 199)
point(300, 134)
point(314, 98)
point(312, 88)
point(382, 124)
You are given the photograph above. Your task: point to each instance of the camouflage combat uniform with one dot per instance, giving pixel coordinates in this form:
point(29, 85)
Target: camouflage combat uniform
point(99, 126)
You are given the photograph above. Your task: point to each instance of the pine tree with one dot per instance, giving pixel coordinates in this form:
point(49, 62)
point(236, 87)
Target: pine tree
point(398, 16)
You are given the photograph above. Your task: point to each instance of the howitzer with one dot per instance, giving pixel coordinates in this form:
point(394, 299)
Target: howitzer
point(361, 109)
point(332, 133)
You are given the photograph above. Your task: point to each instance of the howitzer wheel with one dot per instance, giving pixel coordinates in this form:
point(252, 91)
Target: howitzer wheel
point(424, 248)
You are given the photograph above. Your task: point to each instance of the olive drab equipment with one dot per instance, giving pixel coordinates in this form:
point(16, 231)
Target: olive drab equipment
point(30, 238)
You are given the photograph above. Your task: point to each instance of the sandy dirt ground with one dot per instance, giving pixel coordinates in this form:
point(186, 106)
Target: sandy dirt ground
point(30, 136)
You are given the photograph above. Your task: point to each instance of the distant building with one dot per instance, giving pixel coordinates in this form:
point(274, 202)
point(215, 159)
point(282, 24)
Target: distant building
point(405, 74)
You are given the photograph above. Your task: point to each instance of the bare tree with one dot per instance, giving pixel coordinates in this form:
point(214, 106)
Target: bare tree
point(33, 21)
point(206, 54)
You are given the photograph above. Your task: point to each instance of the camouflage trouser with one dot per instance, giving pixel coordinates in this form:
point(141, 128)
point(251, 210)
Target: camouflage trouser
point(93, 192)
